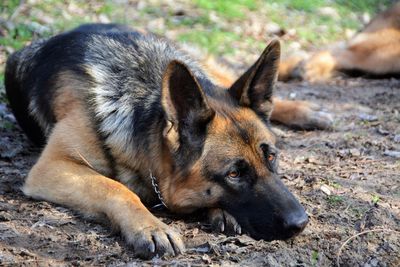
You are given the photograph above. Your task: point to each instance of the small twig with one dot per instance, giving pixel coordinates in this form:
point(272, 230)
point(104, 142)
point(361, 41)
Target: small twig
point(348, 206)
point(84, 160)
point(356, 235)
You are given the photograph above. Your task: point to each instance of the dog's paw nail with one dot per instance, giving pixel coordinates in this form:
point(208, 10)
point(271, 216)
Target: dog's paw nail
point(238, 229)
point(176, 242)
point(222, 226)
point(152, 248)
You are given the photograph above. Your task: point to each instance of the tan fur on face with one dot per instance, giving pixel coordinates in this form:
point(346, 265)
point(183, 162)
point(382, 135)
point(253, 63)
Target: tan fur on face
point(240, 139)
point(239, 136)
point(193, 192)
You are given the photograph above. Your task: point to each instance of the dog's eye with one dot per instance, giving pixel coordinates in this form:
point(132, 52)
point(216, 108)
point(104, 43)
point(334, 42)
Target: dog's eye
point(234, 174)
point(271, 161)
point(271, 157)
point(237, 173)
point(233, 177)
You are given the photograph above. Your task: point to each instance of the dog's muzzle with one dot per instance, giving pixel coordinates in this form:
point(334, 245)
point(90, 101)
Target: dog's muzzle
point(269, 211)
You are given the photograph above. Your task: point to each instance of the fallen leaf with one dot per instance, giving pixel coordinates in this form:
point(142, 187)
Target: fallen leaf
point(327, 191)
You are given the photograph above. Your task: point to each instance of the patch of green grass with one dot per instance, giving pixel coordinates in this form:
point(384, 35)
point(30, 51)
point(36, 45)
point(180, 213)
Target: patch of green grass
point(188, 21)
point(107, 8)
point(348, 136)
point(375, 199)
point(335, 199)
point(6, 125)
point(215, 41)
point(312, 26)
point(229, 9)
point(344, 6)
point(303, 5)
point(51, 7)
point(17, 37)
point(358, 212)
point(334, 184)
point(314, 258)
point(65, 25)
point(369, 6)
point(9, 5)
point(151, 10)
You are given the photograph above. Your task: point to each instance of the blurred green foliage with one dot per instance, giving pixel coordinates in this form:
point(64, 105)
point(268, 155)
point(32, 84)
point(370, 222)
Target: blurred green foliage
point(209, 24)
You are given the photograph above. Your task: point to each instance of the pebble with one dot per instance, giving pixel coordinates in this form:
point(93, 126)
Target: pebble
point(382, 131)
point(329, 12)
point(355, 152)
point(392, 153)
point(368, 117)
point(3, 109)
point(273, 28)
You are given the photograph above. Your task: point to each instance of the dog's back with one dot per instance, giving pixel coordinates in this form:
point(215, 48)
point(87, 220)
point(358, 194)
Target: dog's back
point(106, 67)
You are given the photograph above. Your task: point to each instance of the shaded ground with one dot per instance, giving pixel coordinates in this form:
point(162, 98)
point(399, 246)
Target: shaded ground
point(344, 178)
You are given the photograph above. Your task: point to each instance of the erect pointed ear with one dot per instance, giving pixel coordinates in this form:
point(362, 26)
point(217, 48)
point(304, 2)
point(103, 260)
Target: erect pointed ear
point(255, 87)
point(183, 99)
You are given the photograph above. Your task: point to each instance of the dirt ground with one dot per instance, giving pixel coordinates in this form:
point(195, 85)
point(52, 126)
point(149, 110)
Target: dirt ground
point(348, 179)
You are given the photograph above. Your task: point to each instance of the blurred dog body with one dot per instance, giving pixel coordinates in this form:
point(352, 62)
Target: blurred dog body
point(373, 52)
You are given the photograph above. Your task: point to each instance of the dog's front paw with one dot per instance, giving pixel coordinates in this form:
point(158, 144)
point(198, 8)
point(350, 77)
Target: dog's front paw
point(222, 221)
point(155, 239)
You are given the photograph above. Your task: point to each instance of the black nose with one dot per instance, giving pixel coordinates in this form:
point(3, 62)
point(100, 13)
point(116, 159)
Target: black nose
point(295, 223)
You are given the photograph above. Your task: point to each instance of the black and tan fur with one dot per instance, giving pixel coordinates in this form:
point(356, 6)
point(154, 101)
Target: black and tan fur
point(114, 107)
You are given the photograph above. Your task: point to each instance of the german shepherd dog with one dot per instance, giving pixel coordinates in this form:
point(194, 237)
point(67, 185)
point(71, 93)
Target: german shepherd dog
point(129, 120)
point(373, 52)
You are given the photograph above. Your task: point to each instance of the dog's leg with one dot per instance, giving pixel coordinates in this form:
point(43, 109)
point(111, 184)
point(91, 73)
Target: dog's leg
point(300, 114)
point(60, 177)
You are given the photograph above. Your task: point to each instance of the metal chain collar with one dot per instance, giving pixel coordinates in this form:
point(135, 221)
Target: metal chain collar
point(157, 191)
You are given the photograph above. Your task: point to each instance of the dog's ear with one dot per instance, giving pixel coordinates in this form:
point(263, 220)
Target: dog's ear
point(254, 88)
point(184, 102)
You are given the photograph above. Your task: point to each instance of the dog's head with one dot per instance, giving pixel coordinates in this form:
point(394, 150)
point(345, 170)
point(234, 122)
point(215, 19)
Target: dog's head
point(223, 151)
